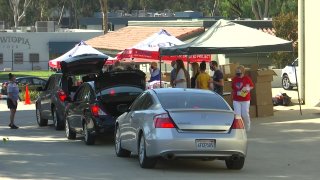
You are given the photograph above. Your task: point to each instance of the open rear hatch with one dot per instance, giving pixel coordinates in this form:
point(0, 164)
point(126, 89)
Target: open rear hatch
point(119, 87)
point(83, 64)
point(202, 119)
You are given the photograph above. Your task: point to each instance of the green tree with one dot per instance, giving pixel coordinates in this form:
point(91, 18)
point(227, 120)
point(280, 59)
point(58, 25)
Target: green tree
point(286, 27)
point(16, 8)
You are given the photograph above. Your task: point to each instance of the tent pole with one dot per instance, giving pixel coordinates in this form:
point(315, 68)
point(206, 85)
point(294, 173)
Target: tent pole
point(295, 72)
point(258, 60)
point(160, 73)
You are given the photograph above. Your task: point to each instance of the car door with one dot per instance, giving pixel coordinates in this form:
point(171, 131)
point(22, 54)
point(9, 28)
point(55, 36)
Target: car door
point(127, 134)
point(45, 98)
point(75, 110)
point(293, 70)
point(137, 119)
point(36, 82)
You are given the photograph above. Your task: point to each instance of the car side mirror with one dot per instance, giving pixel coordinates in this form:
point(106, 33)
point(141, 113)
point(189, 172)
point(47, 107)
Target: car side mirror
point(123, 108)
point(39, 89)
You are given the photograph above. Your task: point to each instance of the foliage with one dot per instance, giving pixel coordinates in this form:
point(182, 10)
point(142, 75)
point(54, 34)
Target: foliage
point(33, 95)
point(286, 27)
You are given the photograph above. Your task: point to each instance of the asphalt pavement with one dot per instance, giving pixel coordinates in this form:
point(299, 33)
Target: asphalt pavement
point(283, 146)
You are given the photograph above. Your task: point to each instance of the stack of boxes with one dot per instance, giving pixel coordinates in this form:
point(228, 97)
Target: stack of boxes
point(261, 95)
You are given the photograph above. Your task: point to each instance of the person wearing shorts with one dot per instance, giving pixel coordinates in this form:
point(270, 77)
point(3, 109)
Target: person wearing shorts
point(12, 100)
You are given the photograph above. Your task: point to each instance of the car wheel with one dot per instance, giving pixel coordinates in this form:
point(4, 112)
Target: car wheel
point(89, 138)
point(41, 122)
point(235, 164)
point(117, 141)
point(286, 83)
point(69, 133)
point(57, 121)
point(144, 161)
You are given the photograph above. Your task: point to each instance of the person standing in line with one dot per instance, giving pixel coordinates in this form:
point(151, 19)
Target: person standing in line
point(173, 73)
point(181, 80)
point(195, 72)
point(12, 99)
point(217, 78)
point(241, 87)
point(154, 72)
point(203, 79)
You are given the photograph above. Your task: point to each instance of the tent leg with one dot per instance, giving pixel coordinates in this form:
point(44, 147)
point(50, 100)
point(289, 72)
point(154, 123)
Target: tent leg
point(295, 72)
point(160, 73)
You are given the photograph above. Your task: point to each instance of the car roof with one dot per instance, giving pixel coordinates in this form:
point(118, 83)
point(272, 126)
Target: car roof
point(181, 90)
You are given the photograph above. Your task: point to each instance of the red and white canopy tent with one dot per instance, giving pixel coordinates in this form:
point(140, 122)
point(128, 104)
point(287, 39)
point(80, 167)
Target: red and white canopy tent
point(79, 49)
point(148, 50)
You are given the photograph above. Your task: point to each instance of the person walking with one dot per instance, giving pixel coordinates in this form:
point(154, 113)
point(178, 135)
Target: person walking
point(12, 99)
point(182, 79)
point(195, 72)
point(203, 79)
point(217, 78)
point(241, 87)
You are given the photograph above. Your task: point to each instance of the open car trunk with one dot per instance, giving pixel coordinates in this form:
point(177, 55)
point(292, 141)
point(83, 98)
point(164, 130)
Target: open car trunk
point(119, 87)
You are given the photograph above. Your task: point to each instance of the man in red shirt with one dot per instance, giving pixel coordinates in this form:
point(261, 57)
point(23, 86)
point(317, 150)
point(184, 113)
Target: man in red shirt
point(241, 87)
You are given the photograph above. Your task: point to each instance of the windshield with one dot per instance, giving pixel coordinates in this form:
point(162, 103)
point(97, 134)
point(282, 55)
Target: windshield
point(192, 100)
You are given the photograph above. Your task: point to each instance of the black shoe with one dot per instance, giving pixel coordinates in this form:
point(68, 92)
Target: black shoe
point(14, 126)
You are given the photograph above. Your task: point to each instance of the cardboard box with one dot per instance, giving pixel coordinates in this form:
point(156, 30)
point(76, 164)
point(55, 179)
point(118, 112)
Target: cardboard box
point(253, 111)
point(262, 75)
point(264, 110)
point(227, 86)
point(228, 70)
point(228, 98)
point(261, 94)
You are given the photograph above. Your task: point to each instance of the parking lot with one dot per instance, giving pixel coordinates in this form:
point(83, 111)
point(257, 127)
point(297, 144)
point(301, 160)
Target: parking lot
point(284, 146)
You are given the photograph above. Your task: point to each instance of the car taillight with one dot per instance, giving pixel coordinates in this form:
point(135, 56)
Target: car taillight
point(163, 121)
point(237, 123)
point(62, 95)
point(96, 111)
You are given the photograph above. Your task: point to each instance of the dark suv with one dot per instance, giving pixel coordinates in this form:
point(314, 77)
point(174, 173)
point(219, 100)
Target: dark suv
point(51, 103)
point(97, 104)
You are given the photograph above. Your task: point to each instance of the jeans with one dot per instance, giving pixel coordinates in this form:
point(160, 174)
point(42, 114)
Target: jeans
point(241, 108)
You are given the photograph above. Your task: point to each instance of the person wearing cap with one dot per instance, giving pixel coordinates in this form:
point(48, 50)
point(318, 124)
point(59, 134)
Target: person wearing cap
point(241, 87)
point(154, 72)
point(217, 78)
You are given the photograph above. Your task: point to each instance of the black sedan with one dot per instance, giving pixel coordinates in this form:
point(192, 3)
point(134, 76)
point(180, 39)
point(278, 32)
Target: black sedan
point(33, 83)
point(96, 104)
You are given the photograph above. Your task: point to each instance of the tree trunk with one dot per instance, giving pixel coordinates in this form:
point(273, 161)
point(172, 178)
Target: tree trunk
point(254, 7)
point(104, 11)
point(266, 8)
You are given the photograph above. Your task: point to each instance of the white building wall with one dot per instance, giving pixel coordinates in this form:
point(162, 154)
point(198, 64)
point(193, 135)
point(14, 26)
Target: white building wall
point(311, 51)
point(35, 42)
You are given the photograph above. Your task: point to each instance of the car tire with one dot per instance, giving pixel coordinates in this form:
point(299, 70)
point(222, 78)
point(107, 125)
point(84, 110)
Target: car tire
point(70, 134)
point(286, 84)
point(89, 138)
point(235, 164)
point(41, 121)
point(117, 145)
point(57, 121)
point(144, 161)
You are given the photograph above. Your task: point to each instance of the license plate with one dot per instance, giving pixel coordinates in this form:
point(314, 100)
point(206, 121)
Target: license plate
point(205, 144)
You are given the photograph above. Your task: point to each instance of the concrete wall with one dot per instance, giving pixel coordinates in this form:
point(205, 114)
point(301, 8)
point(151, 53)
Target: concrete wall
point(33, 42)
point(310, 52)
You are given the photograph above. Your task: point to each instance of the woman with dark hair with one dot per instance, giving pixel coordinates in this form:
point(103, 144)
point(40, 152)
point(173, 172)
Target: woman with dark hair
point(182, 79)
point(12, 100)
point(195, 72)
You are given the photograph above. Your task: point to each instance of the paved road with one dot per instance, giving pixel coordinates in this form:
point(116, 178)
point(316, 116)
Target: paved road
point(285, 146)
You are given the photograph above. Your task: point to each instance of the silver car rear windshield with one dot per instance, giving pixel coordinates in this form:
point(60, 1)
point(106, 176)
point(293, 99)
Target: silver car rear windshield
point(192, 100)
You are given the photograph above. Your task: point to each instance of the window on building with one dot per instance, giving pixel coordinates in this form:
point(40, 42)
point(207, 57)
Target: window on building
point(34, 57)
point(1, 58)
point(18, 58)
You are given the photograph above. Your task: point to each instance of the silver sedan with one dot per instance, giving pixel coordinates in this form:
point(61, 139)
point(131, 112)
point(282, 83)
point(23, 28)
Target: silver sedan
point(180, 123)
